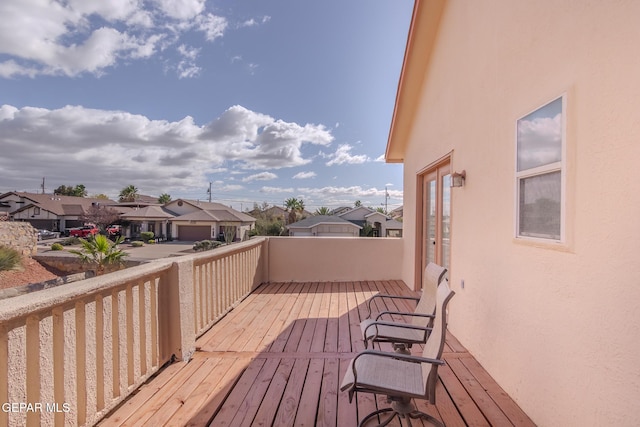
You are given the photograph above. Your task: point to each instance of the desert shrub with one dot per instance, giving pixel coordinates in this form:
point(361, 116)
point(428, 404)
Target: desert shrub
point(206, 245)
point(137, 244)
point(57, 247)
point(9, 258)
point(151, 241)
point(147, 235)
point(70, 241)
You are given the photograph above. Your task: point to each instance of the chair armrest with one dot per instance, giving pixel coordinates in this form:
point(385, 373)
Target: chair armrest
point(399, 356)
point(396, 325)
point(416, 299)
point(402, 313)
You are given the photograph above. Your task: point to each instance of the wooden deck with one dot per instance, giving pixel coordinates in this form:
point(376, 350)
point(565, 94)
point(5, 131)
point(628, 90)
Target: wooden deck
point(279, 357)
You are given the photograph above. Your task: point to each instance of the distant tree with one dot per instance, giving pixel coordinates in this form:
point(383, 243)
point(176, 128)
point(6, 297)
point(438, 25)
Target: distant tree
point(100, 196)
point(77, 191)
point(267, 224)
point(128, 194)
point(294, 207)
point(367, 230)
point(164, 198)
point(323, 211)
point(101, 216)
point(381, 210)
point(357, 204)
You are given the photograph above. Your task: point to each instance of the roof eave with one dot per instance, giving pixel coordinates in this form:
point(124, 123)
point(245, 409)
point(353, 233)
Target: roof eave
point(420, 43)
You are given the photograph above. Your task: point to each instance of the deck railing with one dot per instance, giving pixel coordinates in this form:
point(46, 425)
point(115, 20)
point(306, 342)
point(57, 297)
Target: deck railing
point(70, 354)
point(221, 281)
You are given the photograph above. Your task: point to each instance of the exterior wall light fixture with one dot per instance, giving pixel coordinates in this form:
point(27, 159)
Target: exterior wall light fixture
point(458, 178)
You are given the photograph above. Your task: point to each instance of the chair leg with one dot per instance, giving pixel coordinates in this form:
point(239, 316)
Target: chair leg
point(378, 412)
point(433, 420)
point(374, 414)
point(403, 408)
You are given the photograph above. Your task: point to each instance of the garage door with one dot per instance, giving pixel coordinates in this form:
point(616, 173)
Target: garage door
point(194, 232)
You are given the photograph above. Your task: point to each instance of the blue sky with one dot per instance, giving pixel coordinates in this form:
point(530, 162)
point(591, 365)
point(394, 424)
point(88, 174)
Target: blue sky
point(264, 99)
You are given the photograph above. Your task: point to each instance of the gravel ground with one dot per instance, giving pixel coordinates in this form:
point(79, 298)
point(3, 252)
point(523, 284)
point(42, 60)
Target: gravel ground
point(31, 272)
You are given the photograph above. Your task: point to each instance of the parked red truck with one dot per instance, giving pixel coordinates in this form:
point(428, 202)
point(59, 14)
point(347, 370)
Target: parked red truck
point(87, 230)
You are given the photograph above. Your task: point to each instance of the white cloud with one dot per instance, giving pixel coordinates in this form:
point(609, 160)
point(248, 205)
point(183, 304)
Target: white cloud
point(107, 150)
point(253, 22)
point(343, 156)
point(187, 66)
point(276, 190)
point(380, 158)
point(304, 175)
point(90, 36)
point(213, 26)
point(181, 9)
point(263, 176)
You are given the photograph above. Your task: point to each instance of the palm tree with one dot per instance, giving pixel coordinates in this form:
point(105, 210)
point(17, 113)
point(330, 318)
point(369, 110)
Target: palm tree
point(294, 206)
point(164, 198)
point(357, 204)
point(100, 251)
point(323, 211)
point(129, 193)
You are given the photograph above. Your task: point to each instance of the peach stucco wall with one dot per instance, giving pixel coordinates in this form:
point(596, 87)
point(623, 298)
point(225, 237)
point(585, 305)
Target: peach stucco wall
point(557, 325)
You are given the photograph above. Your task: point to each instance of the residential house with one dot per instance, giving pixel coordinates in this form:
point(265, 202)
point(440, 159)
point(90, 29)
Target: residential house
point(324, 226)
point(537, 103)
point(382, 225)
point(48, 211)
point(195, 220)
point(153, 218)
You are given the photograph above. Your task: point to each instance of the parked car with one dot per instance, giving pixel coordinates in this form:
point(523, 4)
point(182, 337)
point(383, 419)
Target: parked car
point(114, 230)
point(87, 230)
point(46, 234)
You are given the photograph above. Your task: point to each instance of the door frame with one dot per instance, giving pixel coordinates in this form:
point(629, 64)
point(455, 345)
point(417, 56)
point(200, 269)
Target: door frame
point(439, 168)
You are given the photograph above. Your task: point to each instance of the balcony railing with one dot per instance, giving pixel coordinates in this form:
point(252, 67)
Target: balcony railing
point(70, 354)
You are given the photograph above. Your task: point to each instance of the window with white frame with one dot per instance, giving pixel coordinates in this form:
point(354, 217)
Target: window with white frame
point(539, 172)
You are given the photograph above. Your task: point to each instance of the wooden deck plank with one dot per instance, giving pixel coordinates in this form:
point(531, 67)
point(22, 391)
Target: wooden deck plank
point(517, 416)
point(328, 406)
point(310, 323)
point(273, 397)
point(278, 358)
point(237, 402)
point(290, 403)
point(219, 393)
point(488, 407)
point(308, 409)
point(464, 403)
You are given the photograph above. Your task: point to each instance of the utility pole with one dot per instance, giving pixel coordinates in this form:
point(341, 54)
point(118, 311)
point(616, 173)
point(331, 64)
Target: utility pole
point(42, 185)
point(386, 200)
point(209, 191)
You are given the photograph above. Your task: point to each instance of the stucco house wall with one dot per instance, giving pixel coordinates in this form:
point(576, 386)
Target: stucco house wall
point(556, 324)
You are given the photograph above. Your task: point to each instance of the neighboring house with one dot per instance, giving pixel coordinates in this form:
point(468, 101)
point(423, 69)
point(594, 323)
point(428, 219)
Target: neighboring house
point(341, 210)
point(324, 226)
point(195, 220)
point(539, 105)
point(397, 213)
point(271, 212)
point(383, 226)
point(48, 211)
point(152, 218)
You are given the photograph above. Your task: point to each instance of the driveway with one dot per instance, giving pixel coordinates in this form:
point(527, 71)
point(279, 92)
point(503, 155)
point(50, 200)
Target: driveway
point(144, 253)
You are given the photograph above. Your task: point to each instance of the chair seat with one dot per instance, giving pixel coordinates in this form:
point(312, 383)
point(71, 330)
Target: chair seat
point(395, 334)
point(386, 375)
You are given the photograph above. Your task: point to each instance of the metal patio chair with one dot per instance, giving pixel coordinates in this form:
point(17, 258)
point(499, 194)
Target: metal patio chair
point(402, 377)
point(403, 335)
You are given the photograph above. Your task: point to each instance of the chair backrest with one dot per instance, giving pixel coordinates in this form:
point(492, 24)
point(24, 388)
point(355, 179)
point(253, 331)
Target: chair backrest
point(435, 343)
point(433, 275)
